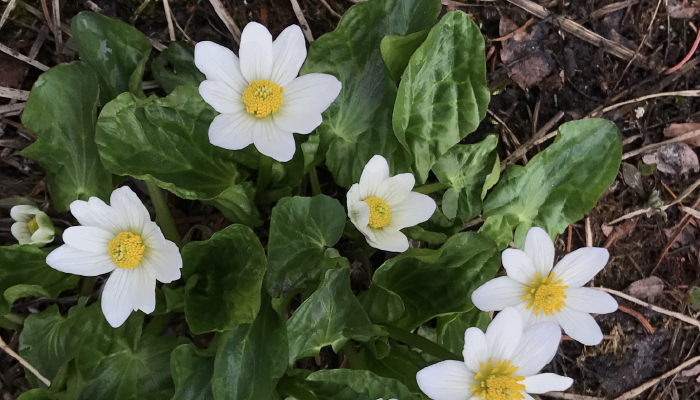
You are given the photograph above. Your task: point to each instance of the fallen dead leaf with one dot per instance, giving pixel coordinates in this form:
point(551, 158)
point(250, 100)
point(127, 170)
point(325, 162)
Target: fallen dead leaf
point(675, 158)
point(646, 288)
point(674, 130)
point(524, 55)
point(681, 9)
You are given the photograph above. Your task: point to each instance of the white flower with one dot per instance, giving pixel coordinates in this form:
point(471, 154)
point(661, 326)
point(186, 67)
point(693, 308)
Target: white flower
point(121, 239)
point(381, 205)
point(33, 226)
point(542, 293)
point(260, 97)
point(499, 365)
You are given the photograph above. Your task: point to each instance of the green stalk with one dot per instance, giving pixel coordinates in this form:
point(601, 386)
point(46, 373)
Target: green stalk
point(163, 216)
point(87, 286)
point(264, 174)
point(315, 185)
point(421, 343)
point(431, 187)
point(353, 358)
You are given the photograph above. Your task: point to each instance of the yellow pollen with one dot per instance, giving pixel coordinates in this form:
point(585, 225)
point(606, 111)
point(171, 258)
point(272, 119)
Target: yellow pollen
point(496, 382)
point(126, 250)
point(379, 212)
point(545, 294)
point(263, 98)
point(33, 225)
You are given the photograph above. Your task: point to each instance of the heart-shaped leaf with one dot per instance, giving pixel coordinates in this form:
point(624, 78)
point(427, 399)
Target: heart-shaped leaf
point(192, 371)
point(338, 381)
point(174, 66)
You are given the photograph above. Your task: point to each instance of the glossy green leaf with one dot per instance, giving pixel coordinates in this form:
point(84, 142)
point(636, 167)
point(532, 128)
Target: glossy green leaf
point(382, 306)
point(420, 234)
point(360, 382)
point(116, 51)
point(192, 371)
point(237, 203)
point(559, 185)
point(466, 167)
point(358, 124)
point(169, 300)
point(401, 364)
point(301, 231)
point(167, 140)
point(224, 275)
point(252, 357)
point(450, 329)
point(62, 111)
point(397, 51)
point(331, 316)
point(422, 277)
point(443, 93)
point(37, 394)
point(23, 272)
point(174, 66)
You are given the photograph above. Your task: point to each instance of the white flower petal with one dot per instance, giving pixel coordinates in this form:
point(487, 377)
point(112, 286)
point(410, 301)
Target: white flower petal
point(389, 241)
point(73, 261)
point(446, 380)
point(537, 347)
point(498, 293)
point(289, 53)
point(297, 119)
point(218, 63)
point(503, 334)
point(165, 262)
point(580, 266)
point(580, 326)
point(152, 236)
point(544, 383)
point(89, 239)
point(272, 142)
point(23, 213)
point(590, 300)
point(476, 351)
point(359, 214)
point(20, 231)
point(312, 91)
point(42, 235)
point(95, 212)
point(256, 52)
point(146, 295)
point(353, 195)
point(221, 97)
point(414, 209)
point(233, 131)
point(395, 189)
point(120, 294)
point(540, 248)
point(375, 172)
point(369, 235)
point(519, 266)
point(132, 210)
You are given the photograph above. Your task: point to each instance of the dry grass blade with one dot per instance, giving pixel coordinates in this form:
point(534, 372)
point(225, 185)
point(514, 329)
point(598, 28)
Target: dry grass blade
point(331, 10)
point(24, 363)
point(652, 307)
point(23, 58)
point(56, 15)
point(533, 141)
point(11, 108)
point(227, 20)
point(570, 396)
point(682, 93)
point(302, 21)
point(612, 8)
point(653, 146)
point(639, 317)
point(16, 94)
point(169, 19)
point(6, 13)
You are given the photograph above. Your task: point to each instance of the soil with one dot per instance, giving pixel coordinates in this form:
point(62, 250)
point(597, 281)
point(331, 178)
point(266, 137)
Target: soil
point(576, 78)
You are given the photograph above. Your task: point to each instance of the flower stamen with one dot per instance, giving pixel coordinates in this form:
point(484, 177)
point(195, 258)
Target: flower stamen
point(262, 98)
point(379, 212)
point(33, 225)
point(126, 250)
point(496, 382)
point(545, 294)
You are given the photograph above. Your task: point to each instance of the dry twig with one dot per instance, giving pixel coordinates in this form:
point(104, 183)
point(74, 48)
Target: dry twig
point(569, 396)
point(639, 317)
point(302, 21)
point(17, 55)
point(169, 19)
point(653, 146)
point(16, 94)
point(56, 16)
point(533, 141)
point(332, 11)
point(226, 18)
point(6, 13)
point(686, 93)
point(24, 363)
point(613, 7)
point(642, 388)
point(652, 307)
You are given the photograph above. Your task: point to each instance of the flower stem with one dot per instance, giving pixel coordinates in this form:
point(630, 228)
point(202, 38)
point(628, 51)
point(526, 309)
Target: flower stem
point(420, 343)
point(163, 216)
point(315, 185)
point(264, 173)
point(431, 187)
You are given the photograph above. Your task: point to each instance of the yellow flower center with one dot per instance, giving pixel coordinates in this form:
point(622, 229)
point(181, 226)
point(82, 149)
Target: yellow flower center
point(126, 250)
point(379, 212)
point(545, 294)
point(496, 382)
point(263, 98)
point(33, 225)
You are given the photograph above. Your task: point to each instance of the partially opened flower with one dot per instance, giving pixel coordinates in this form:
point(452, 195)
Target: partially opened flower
point(119, 238)
point(502, 364)
point(260, 97)
point(380, 205)
point(542, 292)
point(33, 226)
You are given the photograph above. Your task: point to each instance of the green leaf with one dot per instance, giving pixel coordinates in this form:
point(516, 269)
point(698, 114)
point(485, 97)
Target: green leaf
point(559, 185)
point(499, 229)
point(397, 51)
point(358, 125)
point(360, 382)
point(421, 277)
point(382, 306)
point(401, 364)
point(237, 203)
point(174, 66)
point(167, 140)
point(694, 297)
point(192, 371)
point(62, 111)
point(251, 358)
point(331, 316)
point(224, 275)
point(466, 167)
point(646, 169)
point(169, 300)
point(450, 329)
point(443, 93)
point(23, 272)
point(301, 230)
point(116, 51)
point(37, 394)
point(420, 234)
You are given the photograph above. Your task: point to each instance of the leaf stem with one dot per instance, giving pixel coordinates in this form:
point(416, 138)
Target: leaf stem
point(87, 286)
point(264, 174)
point(315, 185)
point(420, 343)
point(163, 216)
point(353, 358)
point(431, 187)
